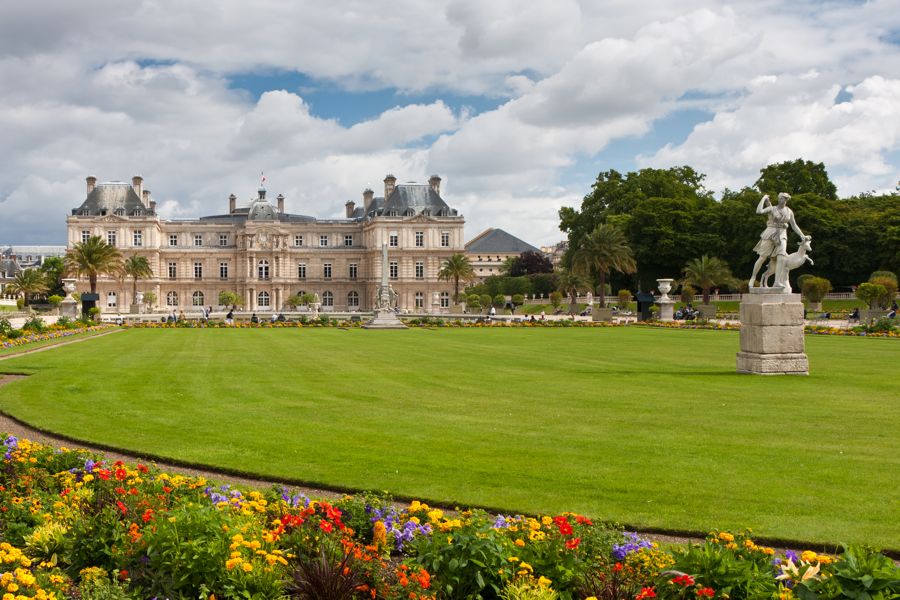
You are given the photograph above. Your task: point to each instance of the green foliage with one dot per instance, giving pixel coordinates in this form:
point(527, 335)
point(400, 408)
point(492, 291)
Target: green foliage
point(473, 302)
point(94, 258)
point(529, 263)
point(499, 300)
point(706, 272)
point(485, 300)
point(815, 288)
point(890, 290)
point(103, 588)
point(149, 298)
point(525, 588)
point(29, 283)
point(796, 177)
point(603, 250)
point(889, 274)
point(20, 303)
point(871, 293)
point(518, 299)
point(688, 293)
point(556, 299)
point(54, 269)
point(5, 326)
point(35, 324)
point(54, 301)
point(456, 268)
point(624, 299)
point(860, 574)
point(733, 572)
point(229, 298)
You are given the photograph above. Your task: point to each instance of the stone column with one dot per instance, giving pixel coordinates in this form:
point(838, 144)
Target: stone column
point(772, 334)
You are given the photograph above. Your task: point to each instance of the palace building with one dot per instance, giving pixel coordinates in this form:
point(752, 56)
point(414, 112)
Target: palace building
point(267, 255)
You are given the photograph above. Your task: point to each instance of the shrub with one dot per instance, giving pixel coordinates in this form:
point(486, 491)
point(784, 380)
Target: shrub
point(870, 293)
point(485, 300)
point(815, 288)
point(890, 290)
point(624, 299)
point(688, 293)
point(556, 299)
point(879, 274)
point(54, 301)
point(35, 324)
point(518, 299)
point(5, 326)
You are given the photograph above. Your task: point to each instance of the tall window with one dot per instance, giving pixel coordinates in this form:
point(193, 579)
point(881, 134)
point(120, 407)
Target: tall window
point(348, 239)
point(301, 271)
point(420, 269)
point(298, 240)
point(112, 300)
point(445, 239)
point(173, 239)
point(223, 270)
point(445, 299)
point(173, 270)
point(393, 269)
point(262, 299)
point(111, 238)
point(326, 271)
point(354, 270)
point(420, 300)
point(262, 269)
point(352, 300)
point(420, 239)
point(198, 239)
point(223, 239)
point(197, 298)
point(198, 270)
point(172, 299)
point(327, 299)
point(323, 240)
point(393, 240)
point(137, 238)
point(85, 235)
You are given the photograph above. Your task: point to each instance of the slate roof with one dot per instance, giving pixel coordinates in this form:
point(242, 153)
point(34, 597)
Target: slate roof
point(106, 197)
point(8, 268)
point(411, 198)
point(497, 241)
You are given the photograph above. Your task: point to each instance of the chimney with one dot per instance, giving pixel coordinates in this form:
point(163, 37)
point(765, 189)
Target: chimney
point(153, 206)
point(368, 196)
point(146, 198)
point(435, 183)
point(91, 183)
point(137, 184)
point(389, 183)
point(350, 205)
point(280, 204)
point(232, 203)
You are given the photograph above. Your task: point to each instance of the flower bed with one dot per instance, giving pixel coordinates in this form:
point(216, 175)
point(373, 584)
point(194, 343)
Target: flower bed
point(51, 332)
point(75, 527)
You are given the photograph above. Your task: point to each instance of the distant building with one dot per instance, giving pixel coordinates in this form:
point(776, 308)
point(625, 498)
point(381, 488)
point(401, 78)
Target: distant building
point(555, 252)
point(267, 255)
point(15, 259)
point(491, 248)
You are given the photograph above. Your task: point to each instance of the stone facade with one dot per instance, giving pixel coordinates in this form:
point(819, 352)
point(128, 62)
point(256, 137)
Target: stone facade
point(489, 250)
point(266, 255)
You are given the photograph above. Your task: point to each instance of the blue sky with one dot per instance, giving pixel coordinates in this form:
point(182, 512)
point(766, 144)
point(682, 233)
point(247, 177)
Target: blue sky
point(517, 106)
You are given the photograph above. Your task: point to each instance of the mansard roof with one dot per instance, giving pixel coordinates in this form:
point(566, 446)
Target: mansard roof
point(412, 198)
point(107, 197)
point(497, 241)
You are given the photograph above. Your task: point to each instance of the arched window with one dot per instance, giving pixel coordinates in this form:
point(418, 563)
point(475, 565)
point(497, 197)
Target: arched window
point(197, 298)
point(262, 269)
point(262, 299)
point(353, 300)
point(172, 299)
point(327, 299)
point(112, 300)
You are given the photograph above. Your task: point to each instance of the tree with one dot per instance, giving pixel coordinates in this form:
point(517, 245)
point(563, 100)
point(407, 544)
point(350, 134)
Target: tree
point(570, 283)
point(28, 283)
point(227, 298)
point(555, 299)
point(870, 293)
point(603, 250)
point(485, 300)
point(456, 268)
point(796, 177)
point(707, 272)
point(499, 300)
point(625, 298)
point(54, 269)
point(473, 302)
point(136, 267)
point(688, 293)
point(517, 300)
point(149, 299)
point(529, 262)
point(890, 290)
point(92, 259)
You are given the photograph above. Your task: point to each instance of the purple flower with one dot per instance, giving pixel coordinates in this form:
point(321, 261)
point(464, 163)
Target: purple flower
point(633, 543)
point(501, 522)
point(89, 465)
point(792, 556)
point(11, 442)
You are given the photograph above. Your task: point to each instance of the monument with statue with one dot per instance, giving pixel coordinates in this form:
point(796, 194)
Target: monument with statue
point(386, 297)
point(772, 315)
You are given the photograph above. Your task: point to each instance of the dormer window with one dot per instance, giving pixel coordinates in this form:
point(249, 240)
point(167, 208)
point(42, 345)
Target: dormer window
point(137, 212)
point(119, 212)
point(85, 212)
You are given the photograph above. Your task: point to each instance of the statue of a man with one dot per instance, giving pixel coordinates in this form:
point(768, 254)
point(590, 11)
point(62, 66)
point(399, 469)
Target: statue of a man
point(772, 243)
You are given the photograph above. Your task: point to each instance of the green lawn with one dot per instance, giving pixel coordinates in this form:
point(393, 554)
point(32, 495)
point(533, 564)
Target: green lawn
point(645, 427)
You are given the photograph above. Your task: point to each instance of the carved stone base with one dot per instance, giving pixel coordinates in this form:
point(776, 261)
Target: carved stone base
point(384, 319)
point(666, 310)
point(794, 363)
point(772, 335)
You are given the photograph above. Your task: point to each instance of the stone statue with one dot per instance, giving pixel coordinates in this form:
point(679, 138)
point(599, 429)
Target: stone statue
point(791, 262)
point(772, 245)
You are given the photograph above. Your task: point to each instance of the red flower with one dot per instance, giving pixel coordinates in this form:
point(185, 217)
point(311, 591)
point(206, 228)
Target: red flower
point(565, 527)
point(583, 520)
point(122, 507)
point(142, 468)
point(120, 490)
point(166, 489)
point(646, 592)
point(148, 514)
point(707, 592)
point(685, 580)
point(123, 574)
point(325, 526)
point(573, 543)
point(121, 474)
point(103, 474)
point(617, 568)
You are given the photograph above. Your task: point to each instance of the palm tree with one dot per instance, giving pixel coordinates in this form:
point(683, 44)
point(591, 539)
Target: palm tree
point(570, 283)
point(92, 259)
point(457, 268)
point(29, 282)
point(707, 272)
point(136, 267)
point(604, 249)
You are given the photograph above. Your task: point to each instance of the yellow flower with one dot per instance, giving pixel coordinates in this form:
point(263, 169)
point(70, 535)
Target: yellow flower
point(524, 566)
point(435, 515)
point(808, 556)
point(520, 542)
point(546, 520)
point(544, 582)
point(233, 562)
point(726, 537)
point(247, 567)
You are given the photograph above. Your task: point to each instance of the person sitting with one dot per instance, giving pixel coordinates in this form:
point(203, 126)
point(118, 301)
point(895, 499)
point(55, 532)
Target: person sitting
point(854, 315)
point(892, 313)
point(254, 318)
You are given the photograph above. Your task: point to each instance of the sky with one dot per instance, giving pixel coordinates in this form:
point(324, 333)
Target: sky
point(516, 105)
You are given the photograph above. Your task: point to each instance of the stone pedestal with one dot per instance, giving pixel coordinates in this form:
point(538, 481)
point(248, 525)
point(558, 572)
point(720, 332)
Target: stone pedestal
point(384, 319)
point(772, 335)
point(666, 310)
point(601, 314)
point(69, 308)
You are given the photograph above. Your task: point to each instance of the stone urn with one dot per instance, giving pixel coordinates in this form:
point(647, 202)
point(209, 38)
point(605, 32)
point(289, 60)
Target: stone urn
point(666, 304)
point(664, 286)
point(69, 307)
